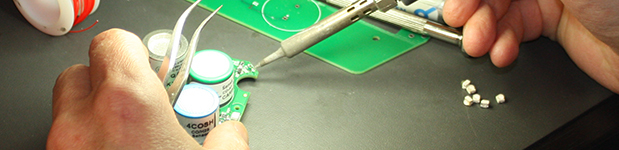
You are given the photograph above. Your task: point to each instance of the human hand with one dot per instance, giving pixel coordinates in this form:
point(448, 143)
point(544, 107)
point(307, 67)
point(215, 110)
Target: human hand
point(119, 103)
point(587, 29)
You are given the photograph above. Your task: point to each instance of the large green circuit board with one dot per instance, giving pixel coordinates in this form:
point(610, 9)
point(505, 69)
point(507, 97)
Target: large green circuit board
point(356, 49)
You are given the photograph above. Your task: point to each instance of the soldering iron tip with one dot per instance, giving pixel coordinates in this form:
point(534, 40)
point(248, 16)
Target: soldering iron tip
point(279, 53)
point(258, 65)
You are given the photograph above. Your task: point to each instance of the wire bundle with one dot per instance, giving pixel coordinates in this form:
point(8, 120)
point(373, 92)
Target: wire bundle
point(83, 8)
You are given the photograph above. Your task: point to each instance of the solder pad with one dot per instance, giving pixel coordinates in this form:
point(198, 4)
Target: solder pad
point(356, 49)
point(242, 69)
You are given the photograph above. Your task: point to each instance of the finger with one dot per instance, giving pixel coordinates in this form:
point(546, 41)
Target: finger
point(228, 135)
point(71, 85)
point(457, 12)
point(505, 49)
point(550, 16)
point(499, 7)
point(118, 55)
point(521, 22)
point(531, 17)
point(480, 31)
point(509, 35)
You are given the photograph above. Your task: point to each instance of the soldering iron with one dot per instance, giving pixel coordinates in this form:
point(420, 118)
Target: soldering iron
point(351, 14)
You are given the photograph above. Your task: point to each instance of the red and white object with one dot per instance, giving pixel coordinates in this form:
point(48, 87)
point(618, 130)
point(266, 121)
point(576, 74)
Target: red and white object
point(56, 17)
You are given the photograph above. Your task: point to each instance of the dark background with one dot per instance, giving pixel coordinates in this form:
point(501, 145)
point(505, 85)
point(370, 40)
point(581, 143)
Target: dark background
point(411, 102)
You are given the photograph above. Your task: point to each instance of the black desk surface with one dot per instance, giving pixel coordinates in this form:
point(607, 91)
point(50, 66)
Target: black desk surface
point(413, 101)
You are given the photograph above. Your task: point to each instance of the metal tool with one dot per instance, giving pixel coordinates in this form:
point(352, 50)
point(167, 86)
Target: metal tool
point(413, 23)
point(354, 12)
point(327, 27)
point(174, 45)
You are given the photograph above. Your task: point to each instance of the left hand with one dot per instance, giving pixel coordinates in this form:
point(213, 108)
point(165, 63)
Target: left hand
point(119, 103)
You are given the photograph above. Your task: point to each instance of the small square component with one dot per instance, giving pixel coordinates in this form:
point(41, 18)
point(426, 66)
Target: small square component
point(476, 98)
point(484, 103)
point(235, 116)
point(468, 101)
point(465, 83)
point(500, 98)
point(471, 89)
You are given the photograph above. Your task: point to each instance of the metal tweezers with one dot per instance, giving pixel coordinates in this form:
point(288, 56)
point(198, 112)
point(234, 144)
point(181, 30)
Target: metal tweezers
point(170, 58)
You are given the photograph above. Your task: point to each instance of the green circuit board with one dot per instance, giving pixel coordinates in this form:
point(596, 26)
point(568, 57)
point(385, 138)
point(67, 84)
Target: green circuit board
point(356, 49)
point(234, 109)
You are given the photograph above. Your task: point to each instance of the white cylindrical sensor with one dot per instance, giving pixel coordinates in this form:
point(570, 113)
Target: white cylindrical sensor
point(157, 43)
point(214, 68)
point(197, 110)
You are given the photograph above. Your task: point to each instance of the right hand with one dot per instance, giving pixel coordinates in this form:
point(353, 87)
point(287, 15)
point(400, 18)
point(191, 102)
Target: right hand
point(587, 29)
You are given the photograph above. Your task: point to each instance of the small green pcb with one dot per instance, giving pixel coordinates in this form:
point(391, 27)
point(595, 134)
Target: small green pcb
point(234, 109)
point(356, 49)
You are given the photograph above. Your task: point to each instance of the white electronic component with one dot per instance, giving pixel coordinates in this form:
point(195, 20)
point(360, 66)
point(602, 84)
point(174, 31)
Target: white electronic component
point(471, 89)
point(500, 98)
point(235, 116)
point(476, 98)
point(468, 101)
point(484, 103)
point(465, 83)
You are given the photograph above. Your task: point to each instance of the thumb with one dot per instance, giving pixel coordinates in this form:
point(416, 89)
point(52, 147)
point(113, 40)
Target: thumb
point(227, 136)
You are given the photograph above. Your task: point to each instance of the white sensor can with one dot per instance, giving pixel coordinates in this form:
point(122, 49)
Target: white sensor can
point(157, 43)
point(214, 68)
point(197, 110)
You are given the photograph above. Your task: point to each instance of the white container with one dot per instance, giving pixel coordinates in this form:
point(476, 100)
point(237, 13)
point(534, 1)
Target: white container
point(197, 110)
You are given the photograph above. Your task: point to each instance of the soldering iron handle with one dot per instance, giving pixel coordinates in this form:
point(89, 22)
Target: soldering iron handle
point(444, 33)
point(413, 23)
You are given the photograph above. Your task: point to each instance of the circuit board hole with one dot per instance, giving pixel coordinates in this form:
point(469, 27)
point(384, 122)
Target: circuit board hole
point(376, 38)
